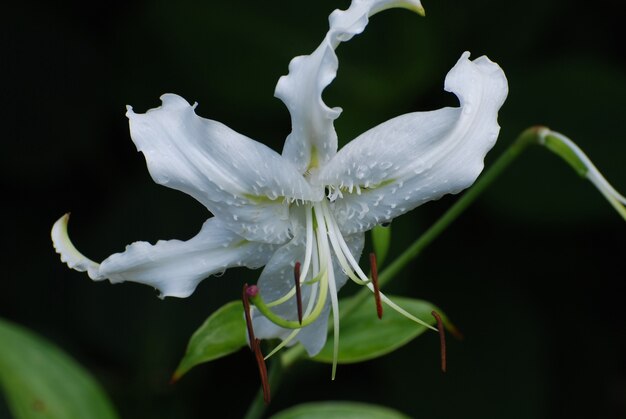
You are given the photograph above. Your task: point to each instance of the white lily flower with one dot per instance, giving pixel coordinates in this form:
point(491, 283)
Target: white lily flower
point(311, 204)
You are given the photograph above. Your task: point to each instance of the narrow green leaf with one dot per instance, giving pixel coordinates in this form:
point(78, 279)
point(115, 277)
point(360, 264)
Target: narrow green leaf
point(557, 146)
point(223, 333)
point(339, 410)
point(381, 239)
point(40, 381)
point(364, 336)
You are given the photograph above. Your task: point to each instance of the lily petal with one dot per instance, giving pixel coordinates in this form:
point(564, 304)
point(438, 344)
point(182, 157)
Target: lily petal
point(174, 267)
point(244, 183)
point(68, 252)
point(313, 140)
point(421, 156)
point(277, 279)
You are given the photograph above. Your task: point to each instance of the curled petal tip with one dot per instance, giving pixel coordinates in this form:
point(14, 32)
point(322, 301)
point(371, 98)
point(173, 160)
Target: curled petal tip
point(69, 254)
point(418, 8)
point(413, 5)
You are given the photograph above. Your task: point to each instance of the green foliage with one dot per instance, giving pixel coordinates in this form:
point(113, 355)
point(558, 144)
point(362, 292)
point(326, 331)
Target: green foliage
point(40, 381)
point(364, 336)
point(223, 333)
point(339, 410)
point(557, 146)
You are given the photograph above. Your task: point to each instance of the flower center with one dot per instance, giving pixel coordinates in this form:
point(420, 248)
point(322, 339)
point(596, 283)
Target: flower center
point(324, 246)
point(316, 272)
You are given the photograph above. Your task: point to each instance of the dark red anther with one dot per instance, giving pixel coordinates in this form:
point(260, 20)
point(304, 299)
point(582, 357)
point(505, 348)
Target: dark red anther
point(252, 290)
point(249, 291)
point(296, 274)
point(265, 384)
point(379, 304)
point(442, 339)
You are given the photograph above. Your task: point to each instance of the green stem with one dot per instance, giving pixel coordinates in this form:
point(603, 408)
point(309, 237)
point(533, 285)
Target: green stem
point(258, 406)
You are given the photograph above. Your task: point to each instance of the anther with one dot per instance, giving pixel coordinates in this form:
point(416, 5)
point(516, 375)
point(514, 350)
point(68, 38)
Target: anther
point(296, 274)
point(373, 267)
point(249, 291)
point(265, 384)
point(442, 339)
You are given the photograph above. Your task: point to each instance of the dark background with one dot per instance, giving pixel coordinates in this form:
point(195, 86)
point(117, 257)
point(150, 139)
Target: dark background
point(533, 273)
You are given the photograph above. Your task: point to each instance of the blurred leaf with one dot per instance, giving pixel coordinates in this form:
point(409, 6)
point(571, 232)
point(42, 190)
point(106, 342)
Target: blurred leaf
point(41, 381)
point(223, 333)
point(381, 239)
point(364, 336)
point(339, 410)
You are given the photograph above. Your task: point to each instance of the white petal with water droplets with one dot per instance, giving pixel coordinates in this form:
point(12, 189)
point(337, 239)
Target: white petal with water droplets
point(418, 157)
point(313, 140)
point(243, 182)
point(174, 267)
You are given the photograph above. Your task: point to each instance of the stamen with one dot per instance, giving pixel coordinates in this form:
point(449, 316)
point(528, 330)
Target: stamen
point(289, 324)
point(249, 292)
point(400, 310)
point(265, 384)
point(296, 274)
point(349, 266)
point(334, 302)
point(379, 304)
point(295, 332)
point(310, 244)
point(324, 232)
point(442, 339)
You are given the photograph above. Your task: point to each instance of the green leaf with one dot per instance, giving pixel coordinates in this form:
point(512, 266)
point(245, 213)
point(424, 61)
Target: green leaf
point(223, 333)
point(339, 410)
point(364, 336)
point(381, 239)
point(41, 381)
point(557, 146)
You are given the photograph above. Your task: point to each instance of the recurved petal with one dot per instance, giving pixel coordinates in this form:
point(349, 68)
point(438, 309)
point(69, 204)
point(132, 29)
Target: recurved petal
point(174, 267)
point(421, 156)
point(68, 252)
point(278, 278)
point(313, 141)
point(243, 182)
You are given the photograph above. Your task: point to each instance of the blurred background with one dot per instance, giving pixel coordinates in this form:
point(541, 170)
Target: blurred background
point(533, 273)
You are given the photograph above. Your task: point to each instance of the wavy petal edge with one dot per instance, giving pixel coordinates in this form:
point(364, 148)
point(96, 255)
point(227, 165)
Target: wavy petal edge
point(313, 140)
